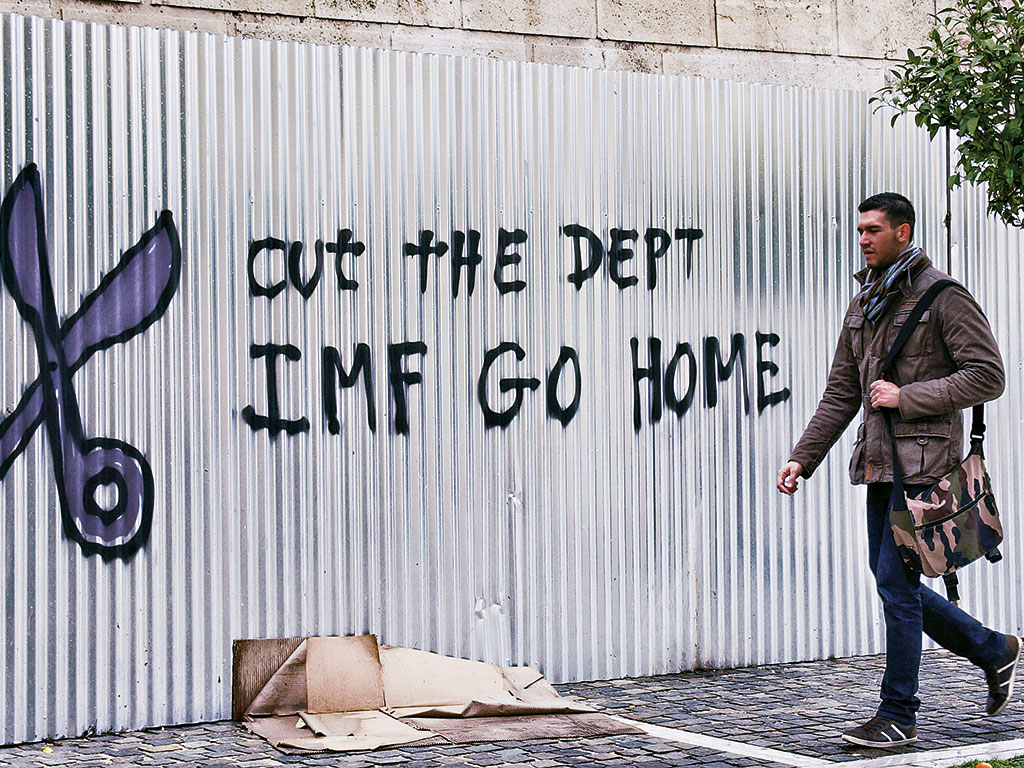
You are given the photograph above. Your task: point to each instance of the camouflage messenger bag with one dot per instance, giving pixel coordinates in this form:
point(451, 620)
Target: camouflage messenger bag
point(953, 522)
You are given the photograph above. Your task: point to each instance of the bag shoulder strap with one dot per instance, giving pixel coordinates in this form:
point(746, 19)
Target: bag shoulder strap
point(915, 317)
point(978, 412)
point(978, 416)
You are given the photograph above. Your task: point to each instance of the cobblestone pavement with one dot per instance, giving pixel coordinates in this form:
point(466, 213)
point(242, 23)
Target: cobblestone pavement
point(796, 708)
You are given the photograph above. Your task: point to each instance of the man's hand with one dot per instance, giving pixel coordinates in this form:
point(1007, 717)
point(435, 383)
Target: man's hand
point(786, 481)
point(884, 394)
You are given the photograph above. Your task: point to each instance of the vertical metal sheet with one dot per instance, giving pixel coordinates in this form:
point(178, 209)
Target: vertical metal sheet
point(591, 550)
point(986, 256)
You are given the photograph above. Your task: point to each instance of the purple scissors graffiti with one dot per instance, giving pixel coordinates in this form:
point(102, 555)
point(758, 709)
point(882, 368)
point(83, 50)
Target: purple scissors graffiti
point(105, 485)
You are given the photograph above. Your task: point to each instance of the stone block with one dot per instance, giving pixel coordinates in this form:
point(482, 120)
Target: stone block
point(457, 42)
point(571, 53)
point(286, 7)
point(42, 8)
point(311, 30)
point(886, 32)
point(566, 18)
point(683, 22)
point(777, 68)
point(163, 17)
point(427, 13)
point(634, 58)
point(793, 26)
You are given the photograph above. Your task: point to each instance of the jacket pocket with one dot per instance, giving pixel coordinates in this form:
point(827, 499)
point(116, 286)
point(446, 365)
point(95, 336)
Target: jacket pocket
point(920, 341)
point(855, 324)
point(923, 447)
point(856, 457)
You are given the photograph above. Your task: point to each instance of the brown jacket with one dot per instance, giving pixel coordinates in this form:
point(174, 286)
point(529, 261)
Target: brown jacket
point(949, 363)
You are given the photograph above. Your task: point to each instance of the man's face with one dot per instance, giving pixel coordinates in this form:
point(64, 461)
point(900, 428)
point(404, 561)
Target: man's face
point(880, 242)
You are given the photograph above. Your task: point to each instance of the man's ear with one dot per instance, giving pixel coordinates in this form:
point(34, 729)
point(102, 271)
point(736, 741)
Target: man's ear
point(903, 233)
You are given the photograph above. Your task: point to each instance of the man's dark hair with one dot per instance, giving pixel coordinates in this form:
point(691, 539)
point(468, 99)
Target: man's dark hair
point(897, 209)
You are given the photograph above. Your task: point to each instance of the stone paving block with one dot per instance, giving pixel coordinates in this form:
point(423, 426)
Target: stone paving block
point(769, 704)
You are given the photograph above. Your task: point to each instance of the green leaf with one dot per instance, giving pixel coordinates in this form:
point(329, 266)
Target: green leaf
point(969, 77)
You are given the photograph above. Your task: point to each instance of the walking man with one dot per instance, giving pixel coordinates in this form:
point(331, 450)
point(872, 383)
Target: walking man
point(949, 363)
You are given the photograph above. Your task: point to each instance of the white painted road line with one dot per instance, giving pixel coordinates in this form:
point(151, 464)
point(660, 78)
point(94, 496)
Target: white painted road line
point(725, 745)
point(942, 758)
point(933, 758)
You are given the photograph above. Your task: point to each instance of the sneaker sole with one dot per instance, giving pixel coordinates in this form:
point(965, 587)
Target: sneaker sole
point(878, 744)
point(1013, 678)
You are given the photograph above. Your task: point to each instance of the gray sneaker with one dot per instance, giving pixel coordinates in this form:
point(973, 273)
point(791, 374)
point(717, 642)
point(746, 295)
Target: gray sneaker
point(1000, 678)
point(881, 733)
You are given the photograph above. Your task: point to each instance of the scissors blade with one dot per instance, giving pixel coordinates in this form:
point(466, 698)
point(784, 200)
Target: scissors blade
point(130, 298)
point(17, 429)
point(23, 251)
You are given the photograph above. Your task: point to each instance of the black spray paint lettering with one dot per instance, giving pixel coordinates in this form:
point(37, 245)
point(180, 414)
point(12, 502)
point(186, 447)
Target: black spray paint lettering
point(671, 386)
point(272, 421)
point(652, 373)
point(291, 258)
point(424, 250)
point(666, 390)
point(507, 258)
point(589, 253)
point(466, 255)
point(345, 244)
point(717, 370)
point(503, 418)
point(520, 385)
point(764, 397)
point(401, 379)
point(680, 405)
point(564, 414)
point(334, 376)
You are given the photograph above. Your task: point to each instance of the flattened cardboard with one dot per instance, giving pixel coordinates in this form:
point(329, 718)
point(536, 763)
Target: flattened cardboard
point(528, 684)
point(422, 679)
point(502, 708)
point(285, 692)
point(283, 734)
point(277, 729)
point(371, 724)
point(253, 664)
point(466, 730)
point(343, 674)
point(327, 695)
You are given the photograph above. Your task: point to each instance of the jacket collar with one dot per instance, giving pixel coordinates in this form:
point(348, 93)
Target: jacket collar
point(906, 281)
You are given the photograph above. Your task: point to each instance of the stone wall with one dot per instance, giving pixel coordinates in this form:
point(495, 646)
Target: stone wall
point(801, 42)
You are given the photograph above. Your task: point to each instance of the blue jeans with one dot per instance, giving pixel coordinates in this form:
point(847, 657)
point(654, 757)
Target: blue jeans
point(911, 607)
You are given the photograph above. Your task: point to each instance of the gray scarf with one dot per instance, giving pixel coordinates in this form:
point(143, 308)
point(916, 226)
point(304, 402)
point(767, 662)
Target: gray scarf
point(874, 297)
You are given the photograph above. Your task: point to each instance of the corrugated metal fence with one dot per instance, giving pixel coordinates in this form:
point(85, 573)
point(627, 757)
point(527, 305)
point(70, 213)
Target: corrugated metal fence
point(480, 515)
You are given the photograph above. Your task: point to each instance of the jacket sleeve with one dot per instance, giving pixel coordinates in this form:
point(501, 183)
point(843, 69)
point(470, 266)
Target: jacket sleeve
point(839, 404)
point(979, 374)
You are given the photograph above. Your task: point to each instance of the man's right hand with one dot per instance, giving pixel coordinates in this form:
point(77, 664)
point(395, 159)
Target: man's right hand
point(787, 478)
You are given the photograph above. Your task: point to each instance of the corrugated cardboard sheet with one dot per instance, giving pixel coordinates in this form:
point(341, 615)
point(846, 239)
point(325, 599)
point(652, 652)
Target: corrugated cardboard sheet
point(348, 693)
